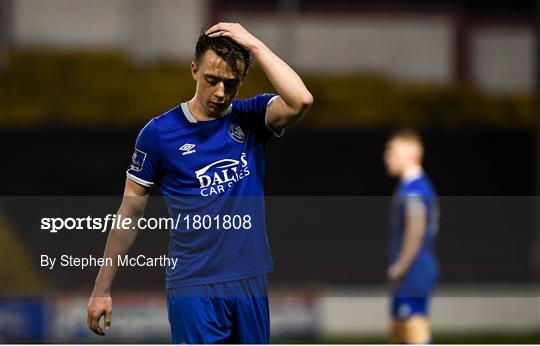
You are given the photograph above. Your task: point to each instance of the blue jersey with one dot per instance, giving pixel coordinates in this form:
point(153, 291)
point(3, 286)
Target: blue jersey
point(211, 175)
point(415, 196)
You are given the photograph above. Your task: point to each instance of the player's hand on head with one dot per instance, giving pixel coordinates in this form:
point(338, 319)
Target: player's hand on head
point(97, 307)
point(235, 31)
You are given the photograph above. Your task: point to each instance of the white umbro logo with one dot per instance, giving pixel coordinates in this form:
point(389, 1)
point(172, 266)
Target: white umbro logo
point(187, 148)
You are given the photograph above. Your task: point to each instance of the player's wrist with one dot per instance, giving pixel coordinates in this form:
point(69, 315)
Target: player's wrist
point(256, 47)
point(101, 291)
point(396, 267)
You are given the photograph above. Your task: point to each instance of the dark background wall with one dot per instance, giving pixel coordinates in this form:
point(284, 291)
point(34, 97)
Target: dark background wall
point(304, 162)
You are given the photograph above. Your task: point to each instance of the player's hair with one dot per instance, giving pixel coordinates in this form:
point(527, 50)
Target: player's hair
point(408, 135)
point(237, 57)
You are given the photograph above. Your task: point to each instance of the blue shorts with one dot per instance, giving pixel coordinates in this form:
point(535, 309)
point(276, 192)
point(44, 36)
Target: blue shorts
point(411, 295)
point(229, 312)
point(406, 307)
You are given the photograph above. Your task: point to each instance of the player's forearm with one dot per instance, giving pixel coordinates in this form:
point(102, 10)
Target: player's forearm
point(118, 244)
point(412, 242)
point(284, 79)
point(408, 253)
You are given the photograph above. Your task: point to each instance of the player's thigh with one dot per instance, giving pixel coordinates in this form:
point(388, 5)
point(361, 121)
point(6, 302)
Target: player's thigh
point(252, 321)
point(416, 330)
point(252, 313)
point(410, 315)
point(198, 320)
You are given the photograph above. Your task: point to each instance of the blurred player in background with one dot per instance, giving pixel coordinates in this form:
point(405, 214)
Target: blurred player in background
point(413, 269)
point(211, 149)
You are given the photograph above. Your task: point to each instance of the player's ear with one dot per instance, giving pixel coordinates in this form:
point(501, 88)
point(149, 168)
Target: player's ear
point(194, 69)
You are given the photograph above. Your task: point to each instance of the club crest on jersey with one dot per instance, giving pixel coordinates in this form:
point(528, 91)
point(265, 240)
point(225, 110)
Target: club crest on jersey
point(220, 176)
point(236, 132)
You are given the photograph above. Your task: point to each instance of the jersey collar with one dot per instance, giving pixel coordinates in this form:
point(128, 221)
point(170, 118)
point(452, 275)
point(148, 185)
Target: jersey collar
point(412, 174)
point(189, 116)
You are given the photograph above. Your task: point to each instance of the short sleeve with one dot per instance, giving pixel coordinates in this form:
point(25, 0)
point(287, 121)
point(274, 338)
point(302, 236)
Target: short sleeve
point(144, 167)
point(257, 109)
point(414, 203)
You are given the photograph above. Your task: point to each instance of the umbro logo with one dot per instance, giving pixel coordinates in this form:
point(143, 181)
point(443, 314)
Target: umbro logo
point(187, 148)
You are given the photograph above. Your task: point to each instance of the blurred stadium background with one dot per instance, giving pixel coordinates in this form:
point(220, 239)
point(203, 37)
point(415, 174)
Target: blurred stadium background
point(78, 79)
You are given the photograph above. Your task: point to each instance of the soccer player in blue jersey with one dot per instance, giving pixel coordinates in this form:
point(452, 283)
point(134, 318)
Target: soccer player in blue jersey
point(413, 269)
point(207, 156)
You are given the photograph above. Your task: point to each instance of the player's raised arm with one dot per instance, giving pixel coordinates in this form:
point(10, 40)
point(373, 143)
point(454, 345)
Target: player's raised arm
point(294, 98)
point(118, 243)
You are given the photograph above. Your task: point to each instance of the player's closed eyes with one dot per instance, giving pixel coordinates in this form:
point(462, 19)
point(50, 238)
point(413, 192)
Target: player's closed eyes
point(228, 83)
point(212, 81)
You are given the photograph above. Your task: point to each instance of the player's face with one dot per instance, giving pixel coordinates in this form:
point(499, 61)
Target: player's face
point(217, 84)
point(394, 158)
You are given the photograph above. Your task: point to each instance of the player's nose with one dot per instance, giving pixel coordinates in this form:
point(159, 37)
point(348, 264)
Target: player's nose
point(220, 90)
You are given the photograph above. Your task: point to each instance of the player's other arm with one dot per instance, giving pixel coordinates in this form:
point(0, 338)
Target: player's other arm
point(294, 98)
point(118, 243)
point(413, 237)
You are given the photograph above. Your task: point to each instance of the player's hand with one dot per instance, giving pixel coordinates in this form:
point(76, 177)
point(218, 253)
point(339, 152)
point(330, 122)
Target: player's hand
point(97, 307)
point(395, 273)
point(234, 31)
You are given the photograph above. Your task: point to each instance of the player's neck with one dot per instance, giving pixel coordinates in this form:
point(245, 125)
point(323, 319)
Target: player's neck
point(198, 112)
point(411, 173)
